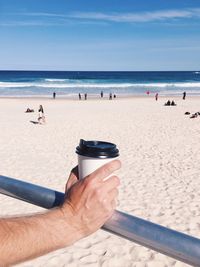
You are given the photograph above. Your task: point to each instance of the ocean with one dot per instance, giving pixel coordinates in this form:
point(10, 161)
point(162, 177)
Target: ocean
point(71, 83)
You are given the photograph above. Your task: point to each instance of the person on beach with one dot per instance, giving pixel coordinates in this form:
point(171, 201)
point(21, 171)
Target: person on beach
point(168, 103)
point(54, 95)
point(85, 96)
point(156, 96)
point(173, 103)
point(184, 95)
point(87, 205)
point(41, 117)
point(195, 115)
point(101, 94)
point(29, 110)
point(148, 92)
point(79, 96)
point(110, 96)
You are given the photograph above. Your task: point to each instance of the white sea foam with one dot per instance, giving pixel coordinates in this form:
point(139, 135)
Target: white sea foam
point(13, 84)
point(56, 80)
point(99, 85)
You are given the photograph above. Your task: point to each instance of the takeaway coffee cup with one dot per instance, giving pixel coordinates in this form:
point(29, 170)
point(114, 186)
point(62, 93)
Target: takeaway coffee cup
point(94, 154)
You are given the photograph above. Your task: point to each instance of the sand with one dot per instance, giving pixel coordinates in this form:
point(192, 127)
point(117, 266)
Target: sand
point(159, 149)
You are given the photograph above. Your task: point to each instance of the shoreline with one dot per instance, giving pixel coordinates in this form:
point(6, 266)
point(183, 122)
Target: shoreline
point(97, 97)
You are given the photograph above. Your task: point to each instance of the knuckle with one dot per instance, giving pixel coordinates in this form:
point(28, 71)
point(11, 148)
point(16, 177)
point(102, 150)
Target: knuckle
point(89, 183)
point(114, 206)
point(113, 181)
point(107, 206)
point(116, 180)
point(108, 168)
point(109, 210)
point(116, 193)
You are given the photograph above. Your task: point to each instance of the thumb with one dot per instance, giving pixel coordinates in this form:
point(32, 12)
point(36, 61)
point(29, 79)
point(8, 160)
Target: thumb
point(73, 178)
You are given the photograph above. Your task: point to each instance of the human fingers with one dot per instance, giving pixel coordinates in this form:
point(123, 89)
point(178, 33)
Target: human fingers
point(114, 204)
point(107, 199)
point(111, 183)
point(110, 203)
point(104, 171)
point(104, 189)
point(113, 194)
point(73, 178)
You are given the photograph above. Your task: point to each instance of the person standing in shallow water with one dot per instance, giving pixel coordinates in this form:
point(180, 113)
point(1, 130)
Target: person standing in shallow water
point(184, 95)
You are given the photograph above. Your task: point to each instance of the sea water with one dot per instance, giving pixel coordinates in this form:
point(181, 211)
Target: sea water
point(71, 83)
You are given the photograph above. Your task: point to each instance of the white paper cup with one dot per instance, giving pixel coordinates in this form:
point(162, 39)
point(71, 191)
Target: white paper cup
point(94, 154)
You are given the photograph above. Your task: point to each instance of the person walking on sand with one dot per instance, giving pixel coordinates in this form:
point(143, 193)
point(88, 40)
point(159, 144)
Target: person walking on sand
point(54, 95)
point(184, 95)
point(156, 96)
point(79, 96)
point(101, 94)
point(85, 96)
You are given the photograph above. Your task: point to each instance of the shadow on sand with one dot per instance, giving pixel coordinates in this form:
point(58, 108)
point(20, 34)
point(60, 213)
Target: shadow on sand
point(34, 122)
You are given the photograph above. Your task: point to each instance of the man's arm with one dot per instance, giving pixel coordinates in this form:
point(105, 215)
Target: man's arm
point(87, 206)
point(24, 238)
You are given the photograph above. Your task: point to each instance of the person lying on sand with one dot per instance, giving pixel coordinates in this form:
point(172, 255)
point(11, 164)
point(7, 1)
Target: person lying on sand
point(195, 115)
point(88, 204)
point(29, 110)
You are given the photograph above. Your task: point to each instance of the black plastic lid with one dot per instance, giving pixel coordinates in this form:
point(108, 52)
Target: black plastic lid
point(97, 149)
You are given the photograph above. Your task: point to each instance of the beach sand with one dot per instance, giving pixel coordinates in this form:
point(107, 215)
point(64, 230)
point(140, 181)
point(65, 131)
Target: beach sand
point(159, 149)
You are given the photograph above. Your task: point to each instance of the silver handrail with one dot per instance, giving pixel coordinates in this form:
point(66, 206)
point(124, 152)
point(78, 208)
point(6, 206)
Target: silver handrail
point(164, 240)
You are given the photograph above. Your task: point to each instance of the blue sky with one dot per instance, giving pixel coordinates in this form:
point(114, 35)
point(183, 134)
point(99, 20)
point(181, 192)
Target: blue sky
point(100, 34)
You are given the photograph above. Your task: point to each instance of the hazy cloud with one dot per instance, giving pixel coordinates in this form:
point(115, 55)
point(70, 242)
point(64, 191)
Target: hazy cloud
point(139, 17)
point(58, 19)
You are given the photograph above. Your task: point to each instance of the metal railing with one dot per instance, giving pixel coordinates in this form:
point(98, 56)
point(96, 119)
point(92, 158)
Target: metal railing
point(164, 240)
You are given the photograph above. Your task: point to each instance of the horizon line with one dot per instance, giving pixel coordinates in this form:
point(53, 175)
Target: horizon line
point(34, 70)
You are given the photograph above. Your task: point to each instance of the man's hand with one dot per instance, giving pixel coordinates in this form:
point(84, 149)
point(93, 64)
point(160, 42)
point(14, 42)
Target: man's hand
point(90, 202)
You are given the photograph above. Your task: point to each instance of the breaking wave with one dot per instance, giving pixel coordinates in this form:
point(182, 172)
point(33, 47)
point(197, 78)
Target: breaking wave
point(64, 84)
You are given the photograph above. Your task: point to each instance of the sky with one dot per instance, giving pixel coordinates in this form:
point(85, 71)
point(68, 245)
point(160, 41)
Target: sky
point(92, 35)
